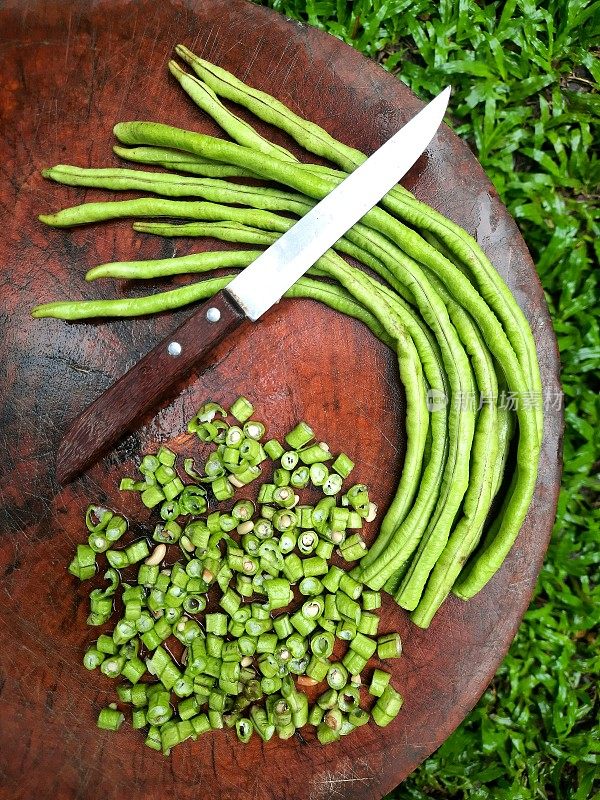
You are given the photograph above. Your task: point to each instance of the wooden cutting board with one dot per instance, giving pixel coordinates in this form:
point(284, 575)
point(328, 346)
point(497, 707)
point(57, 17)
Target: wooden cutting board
point(70, 70)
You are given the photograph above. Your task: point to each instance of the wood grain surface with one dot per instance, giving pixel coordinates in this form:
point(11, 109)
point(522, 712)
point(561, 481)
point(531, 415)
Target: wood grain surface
point(70, 70)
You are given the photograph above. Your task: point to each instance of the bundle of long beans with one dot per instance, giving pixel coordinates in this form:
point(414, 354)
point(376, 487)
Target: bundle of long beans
point(437, 301)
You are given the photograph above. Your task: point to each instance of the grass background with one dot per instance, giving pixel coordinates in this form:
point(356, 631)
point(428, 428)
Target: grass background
point(525, 76)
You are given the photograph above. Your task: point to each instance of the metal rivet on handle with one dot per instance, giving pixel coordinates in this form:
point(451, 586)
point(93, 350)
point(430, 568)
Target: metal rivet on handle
point(174, 349)
point(213, 314)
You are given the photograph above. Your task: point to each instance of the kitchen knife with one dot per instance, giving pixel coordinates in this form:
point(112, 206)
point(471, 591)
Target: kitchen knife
point(247, 296)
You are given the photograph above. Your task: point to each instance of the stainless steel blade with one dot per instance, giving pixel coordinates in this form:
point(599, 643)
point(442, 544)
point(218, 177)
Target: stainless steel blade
point(265, 281)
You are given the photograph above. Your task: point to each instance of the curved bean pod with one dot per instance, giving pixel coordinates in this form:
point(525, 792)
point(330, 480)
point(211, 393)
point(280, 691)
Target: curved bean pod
point(226, 231)
point(155, 207)
point(411, 371)
point(239, 130)
point(335, 297)
point(304, 287)
point(436, 451)
point(181, 265)
point(506, 427)
point(131, 306)
point(165, 267)
point(453, 553)
point(181, 162)
point(492, 287)
point(468, 582)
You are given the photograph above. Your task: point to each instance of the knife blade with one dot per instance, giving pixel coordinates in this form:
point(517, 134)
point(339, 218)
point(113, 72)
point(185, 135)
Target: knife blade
point(251, 293)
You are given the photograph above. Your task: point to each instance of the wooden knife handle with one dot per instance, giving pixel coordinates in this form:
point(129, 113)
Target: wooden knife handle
point(140, 389)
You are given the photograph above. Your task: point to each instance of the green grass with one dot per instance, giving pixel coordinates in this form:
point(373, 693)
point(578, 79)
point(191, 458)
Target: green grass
point(526, 77)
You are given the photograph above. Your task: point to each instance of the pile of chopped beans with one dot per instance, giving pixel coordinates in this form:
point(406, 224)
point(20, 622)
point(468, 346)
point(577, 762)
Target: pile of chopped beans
point(251, 602)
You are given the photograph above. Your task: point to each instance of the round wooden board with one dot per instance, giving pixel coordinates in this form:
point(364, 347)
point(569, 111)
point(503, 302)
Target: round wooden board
point(70, 70)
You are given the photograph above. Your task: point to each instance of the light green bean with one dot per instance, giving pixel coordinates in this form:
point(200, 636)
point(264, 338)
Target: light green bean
point(181, 162)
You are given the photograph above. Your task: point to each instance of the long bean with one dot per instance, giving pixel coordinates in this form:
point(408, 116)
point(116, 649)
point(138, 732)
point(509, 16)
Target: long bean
point(487, 388)
point(446, 559)
point(340, 300)
point(335, 297)
point(461, 432)
point(448, 563)
point(375, 300)
point(312, 137)
point(239, 130)
point(504, 417)
point(156, 207)
point(204, 262)
point(165, 267)
point(130, 306)
point(467, 584)
point(491, 286)
point(225, 231)
point(181, 265)
point(506, 427)
point(411, 276)
point(402, 299)
point(436, 449)
point(181, 162)
point(461, 544)
point(432, 475)
point(506, 520)
point(436, 452)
